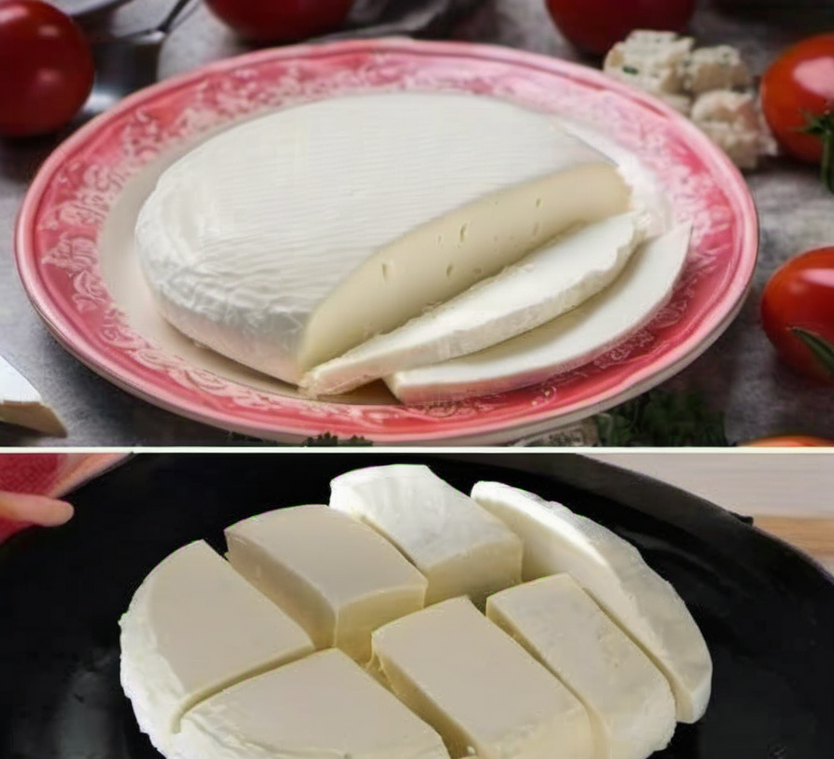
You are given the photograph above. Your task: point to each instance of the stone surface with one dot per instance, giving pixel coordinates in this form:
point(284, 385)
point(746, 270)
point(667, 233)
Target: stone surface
point(739, 374)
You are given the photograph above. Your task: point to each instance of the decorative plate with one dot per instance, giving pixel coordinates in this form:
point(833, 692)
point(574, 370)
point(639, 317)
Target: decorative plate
point(75, 234)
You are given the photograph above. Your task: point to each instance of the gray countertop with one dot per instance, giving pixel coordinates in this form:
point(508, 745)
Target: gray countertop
point(738, 375)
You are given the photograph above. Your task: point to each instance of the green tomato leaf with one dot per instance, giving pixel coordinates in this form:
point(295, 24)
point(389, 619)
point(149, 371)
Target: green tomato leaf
point(823, 350)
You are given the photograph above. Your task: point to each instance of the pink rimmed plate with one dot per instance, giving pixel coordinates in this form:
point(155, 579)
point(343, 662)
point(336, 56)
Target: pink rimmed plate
point(75, 235)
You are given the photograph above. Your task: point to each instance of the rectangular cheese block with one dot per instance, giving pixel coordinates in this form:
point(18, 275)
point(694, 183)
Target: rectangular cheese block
point(612, 570)
point(333, 574)
point(458, 546)
point(479, 688)
point(193, 627)
point(321, 707)
point(630, 703)
point(544, 284)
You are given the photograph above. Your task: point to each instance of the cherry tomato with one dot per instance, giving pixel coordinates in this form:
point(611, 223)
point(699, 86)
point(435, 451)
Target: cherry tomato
point(798, 313)
point(790, 441)
point(281, 20)
point(595, 25)
point(797, 93)
point(47, 68)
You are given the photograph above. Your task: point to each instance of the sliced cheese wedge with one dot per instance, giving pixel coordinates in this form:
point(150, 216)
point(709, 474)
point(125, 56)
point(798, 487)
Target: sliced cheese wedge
point(193, 627)
point(321, 707)
point(478, 688)
point(612, 570)
point(630, 703)
point(543, 285)
point(573, 339)
point(21, 404)
point(459, 547)
point(337, 577)
point(289, 239)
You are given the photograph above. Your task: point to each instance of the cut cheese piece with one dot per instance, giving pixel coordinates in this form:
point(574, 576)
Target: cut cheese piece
point(562, 344)
point(322, 707)
point(615, 574)
point(630, 703)
point(195, 626)
point(550, 281)
point(289, 239)
point(333, 574)
point(478, 688)
point(21, 404)
point(459, 547)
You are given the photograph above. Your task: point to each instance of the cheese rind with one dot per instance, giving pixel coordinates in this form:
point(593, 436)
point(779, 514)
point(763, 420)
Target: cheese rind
point(459, 547)
point(478, 688)
point(337, 577)
point(321, 707)
point(629, 701)
point(544, 284)
point(612, 570)
point(193, 627)
point(265, 242)
point(570, 340)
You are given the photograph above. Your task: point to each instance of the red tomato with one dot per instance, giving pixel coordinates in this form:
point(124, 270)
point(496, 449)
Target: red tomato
point(47, 68)
point(797, 86)
point(798, 313)
point(281, 20)
point(595, 25)
point(790, 441)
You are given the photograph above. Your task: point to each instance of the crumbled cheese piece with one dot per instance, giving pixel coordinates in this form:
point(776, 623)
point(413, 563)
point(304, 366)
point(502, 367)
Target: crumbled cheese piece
point(732, 122)
point(650, 60)
point(714, 68)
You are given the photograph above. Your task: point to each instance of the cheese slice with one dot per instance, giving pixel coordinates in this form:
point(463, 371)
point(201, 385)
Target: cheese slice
point(291, 238)
point(334, 575)
point(544, 284)
point(321, 707)
point(21, 404)
point(478, 688)
point(630, 703)
point(193, 627)
point(573, 339)
point(612, 570)
point(459, 547)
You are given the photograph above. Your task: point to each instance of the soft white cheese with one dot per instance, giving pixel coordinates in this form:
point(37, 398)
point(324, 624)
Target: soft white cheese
point(289, 239)
point(714, 68)
point(193, 627)
point(337, 577)
point(458, 546)
point(543, 285)
point(21, 404)
point(570, 340)
point(613, 571)
point(321, 707)
point(732, 122)
point(478, 688)
point(630, 703)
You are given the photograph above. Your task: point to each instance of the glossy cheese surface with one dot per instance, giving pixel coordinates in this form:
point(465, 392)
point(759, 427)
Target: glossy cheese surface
point(459, 547)
point(334, 575)
point(195, 626)
point(630, 703)
point(615, 574)
point(290, 238)
point(479, 688)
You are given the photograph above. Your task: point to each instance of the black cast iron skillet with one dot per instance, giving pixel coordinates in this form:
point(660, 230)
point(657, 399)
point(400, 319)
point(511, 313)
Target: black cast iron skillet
point(766, 611)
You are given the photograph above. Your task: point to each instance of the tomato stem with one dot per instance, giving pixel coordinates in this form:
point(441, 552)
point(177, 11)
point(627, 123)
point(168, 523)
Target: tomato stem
point(822, 126)
point(823, 350)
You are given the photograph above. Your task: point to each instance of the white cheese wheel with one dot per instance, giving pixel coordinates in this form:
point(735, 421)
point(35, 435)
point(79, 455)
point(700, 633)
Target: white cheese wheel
point(336, 576)
point(617, 577)
point(479, 688)
point(631, 706)
point(459, 547)
point(193, 627)
point(544, 284)
point(289, 239)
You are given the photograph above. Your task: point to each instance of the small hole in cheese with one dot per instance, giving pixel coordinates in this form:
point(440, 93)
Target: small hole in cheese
point(538, 202)
point(449, 269)
point(385, 272)
point(464, 228)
